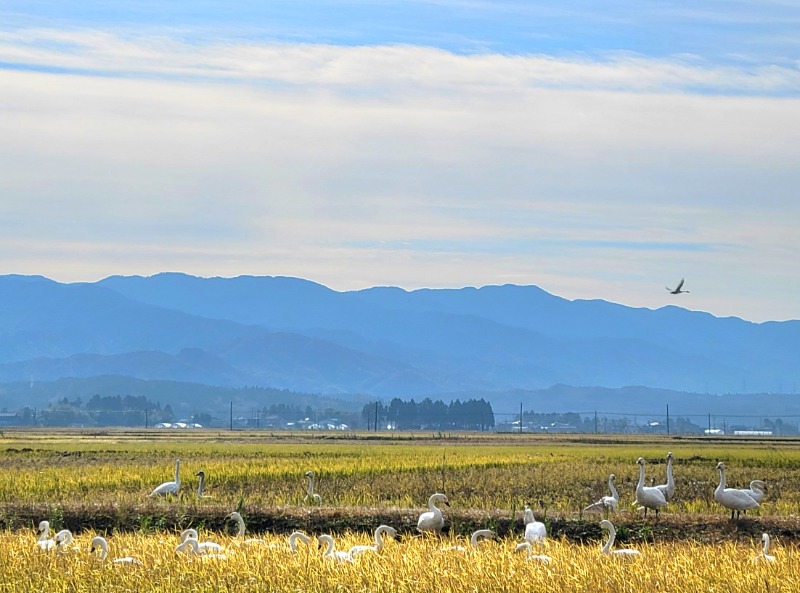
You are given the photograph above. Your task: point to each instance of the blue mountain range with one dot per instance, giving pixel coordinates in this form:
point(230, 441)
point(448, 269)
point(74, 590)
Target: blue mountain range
point(289, 333)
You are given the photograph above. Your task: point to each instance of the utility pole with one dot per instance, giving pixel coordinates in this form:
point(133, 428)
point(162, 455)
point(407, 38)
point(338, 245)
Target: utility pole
point(376, 416)
point(595, 422)
point(520, 417)
point(231, 416)
point(145, 417)
point(667, 419)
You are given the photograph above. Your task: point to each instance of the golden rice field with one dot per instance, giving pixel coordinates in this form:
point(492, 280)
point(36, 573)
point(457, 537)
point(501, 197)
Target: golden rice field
point(412, 564)
point(119, 468)
point(72, 478)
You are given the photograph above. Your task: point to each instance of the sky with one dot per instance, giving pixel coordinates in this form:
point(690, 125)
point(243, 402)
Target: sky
point(597, 150)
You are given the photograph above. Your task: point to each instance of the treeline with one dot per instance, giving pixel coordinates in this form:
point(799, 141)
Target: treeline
point(428, 414)
point(128, 410)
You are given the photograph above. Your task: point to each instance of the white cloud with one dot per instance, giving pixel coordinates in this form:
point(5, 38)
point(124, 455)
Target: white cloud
point(399, 165)
point(377, 68)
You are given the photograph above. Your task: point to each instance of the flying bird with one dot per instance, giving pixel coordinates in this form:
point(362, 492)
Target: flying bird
point(677, 289)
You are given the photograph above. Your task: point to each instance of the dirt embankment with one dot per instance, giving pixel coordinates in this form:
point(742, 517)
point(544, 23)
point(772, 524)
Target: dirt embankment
point(283, 520)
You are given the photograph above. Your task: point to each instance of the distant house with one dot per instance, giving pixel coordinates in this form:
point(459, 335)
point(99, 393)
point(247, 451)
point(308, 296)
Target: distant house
point(652, 426)
point(559, 427)
point(8, 419)
point(181, 425)
point(327, 425)
point(512, 426)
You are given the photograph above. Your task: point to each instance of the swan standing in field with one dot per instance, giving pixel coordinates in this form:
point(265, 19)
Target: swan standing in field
point(668, 489)
point(756, 490)
point(606, 503)
point(201, 486)
point(432, 520)
point(648, 497)
point(63, 539)
point(612, 534)
point(764, 555)
point(475, 540)
point(732, 498)
point(380, 531)
point(193, 546)
point(297, 535)
point(312, 496)
point(330, 552)
point(44, 531)
point(527, 547)
point(170, 487)
point(240, 526)
point(204, 547)
point(240, 529)
point(100, 543)
point(535, 531)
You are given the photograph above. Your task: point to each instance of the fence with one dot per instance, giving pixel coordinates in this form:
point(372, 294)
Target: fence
point(643, 422)
point(525, 421)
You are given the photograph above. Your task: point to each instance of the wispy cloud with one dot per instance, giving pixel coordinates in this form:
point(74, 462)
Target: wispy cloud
point(377, 68)
point(383, 163)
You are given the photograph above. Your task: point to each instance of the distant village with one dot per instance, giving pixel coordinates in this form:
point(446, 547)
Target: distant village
point(469, 415)
point(578, 423)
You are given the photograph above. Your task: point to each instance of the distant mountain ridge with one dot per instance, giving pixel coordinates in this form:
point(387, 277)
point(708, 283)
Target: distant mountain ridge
point(289, 333)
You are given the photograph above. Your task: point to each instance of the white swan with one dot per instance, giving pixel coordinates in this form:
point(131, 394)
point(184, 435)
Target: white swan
point(732, 498)
point(193, 546)
point(44, 532)
point(432, 520)
point(474, 541)
point(297, 535)
point(527, 547)
point(764, 555)
point(201, 486)
point(190, 533)
point(312, 496)
point(535, 531)
point(241, 529)
point(380, 531)
point(330, 552)
point(612, 534)
point(63, 539)
point(204, 547)
point(756, 490)
point(606, 503)
point(668, 489)
point(479, 536)
point(170, 487)
point(99, 542)
point(648, 497)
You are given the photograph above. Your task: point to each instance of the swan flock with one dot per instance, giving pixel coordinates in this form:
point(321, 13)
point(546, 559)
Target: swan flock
point(432, 522)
